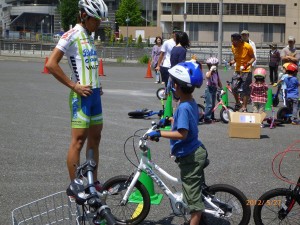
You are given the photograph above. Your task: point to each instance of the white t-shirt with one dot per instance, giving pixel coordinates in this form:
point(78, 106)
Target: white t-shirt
point(167, 47)
point(80, 50)
point(254, 51)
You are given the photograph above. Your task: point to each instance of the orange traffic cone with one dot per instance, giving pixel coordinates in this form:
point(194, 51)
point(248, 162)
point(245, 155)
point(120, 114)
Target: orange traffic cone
point(100, 68)
point(46, 71)
point(149, 73)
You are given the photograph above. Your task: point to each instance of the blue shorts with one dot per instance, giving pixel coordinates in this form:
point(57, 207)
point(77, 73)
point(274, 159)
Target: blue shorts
point(85, 111)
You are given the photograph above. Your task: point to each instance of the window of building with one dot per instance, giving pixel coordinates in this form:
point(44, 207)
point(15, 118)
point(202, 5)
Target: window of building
point(270, 10)
point(201, 8)
point(208, 9)
point(245, 9)
point(167, 8)
point(214, 8)
point(264, 10)
point(268, 32)
point(226, 9)
point(189, 8)
point(233, 9)
point(281, 10)
point(252, 9)
point(195, 9)
point(258, 10)
point(239, 9)
point(216, 31)
point(193, 31)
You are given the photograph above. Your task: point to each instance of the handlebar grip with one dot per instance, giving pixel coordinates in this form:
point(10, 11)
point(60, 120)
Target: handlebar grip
point(106, 214)
point(90, 154)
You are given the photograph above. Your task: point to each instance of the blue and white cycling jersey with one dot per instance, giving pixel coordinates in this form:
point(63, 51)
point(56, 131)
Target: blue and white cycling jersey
point(80, 50)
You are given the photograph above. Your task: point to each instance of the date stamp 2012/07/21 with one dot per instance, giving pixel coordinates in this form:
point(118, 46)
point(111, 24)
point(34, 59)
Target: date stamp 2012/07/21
point(273, 202)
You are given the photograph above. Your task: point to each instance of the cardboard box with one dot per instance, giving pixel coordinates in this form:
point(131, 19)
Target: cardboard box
point(245, 125)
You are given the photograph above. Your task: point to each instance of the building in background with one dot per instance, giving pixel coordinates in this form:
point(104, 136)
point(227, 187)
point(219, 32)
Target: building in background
point(24, 16)
point(267, 21)
point(41, 16)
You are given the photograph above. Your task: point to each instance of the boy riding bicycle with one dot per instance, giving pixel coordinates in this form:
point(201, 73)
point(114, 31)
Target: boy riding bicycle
point(189, 151)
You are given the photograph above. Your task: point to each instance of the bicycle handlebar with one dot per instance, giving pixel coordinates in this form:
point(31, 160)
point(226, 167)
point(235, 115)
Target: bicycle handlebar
point(86, 169)
point(144, 138)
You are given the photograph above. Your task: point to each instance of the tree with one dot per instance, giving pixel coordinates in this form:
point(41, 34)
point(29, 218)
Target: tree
point(132, 9)
point(68, 10)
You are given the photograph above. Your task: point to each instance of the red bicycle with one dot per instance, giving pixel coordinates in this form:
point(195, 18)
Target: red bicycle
point(280, 205)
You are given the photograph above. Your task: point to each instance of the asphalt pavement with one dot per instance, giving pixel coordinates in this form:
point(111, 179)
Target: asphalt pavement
point(35, 134)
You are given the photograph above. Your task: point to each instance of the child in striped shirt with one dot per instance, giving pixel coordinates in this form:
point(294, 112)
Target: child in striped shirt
point(259, 90)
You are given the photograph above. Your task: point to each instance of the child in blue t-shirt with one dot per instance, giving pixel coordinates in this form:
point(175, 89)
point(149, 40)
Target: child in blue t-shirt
point(189, 151)
point(292, 92)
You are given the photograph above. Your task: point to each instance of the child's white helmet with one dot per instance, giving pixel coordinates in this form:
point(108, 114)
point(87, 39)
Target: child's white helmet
point(212, 61)
point(187, 74)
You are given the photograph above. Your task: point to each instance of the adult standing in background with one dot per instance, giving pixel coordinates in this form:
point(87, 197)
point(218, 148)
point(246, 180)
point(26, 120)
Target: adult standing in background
point(178, 53)
point(155, 56)
point(164, 62)
point(274, 63)
point(85, 95)
point(245, 36)
point(289, 54)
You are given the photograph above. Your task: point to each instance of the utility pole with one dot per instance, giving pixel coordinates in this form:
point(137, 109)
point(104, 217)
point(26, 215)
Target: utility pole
point(184, 17)
point(220, 31)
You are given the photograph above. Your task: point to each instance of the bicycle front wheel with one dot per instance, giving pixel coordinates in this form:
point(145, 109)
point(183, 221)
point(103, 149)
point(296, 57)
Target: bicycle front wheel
point(132, 212)
point(277, 206)
point(138, 113)
point(233, 202)
point(224, 114)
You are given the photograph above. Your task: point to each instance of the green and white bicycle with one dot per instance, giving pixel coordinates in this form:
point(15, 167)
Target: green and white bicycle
point(222, 201)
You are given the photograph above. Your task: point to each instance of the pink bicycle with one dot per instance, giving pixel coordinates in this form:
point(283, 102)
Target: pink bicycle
point(224, 112)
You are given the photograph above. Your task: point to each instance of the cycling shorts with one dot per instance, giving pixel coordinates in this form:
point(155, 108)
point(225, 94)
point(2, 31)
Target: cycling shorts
point(85, 111)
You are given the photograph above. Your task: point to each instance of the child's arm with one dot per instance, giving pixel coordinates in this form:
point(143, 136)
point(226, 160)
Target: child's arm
point(276, 84)
point(180, 134)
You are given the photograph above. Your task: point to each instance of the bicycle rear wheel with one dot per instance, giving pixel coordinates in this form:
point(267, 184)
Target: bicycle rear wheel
point(201, 110)
point(130, 212)
point(272, 208)
point(232, 201)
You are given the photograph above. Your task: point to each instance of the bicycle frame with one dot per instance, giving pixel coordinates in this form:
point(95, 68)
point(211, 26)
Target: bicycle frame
point(220, 102)
point(146, 166)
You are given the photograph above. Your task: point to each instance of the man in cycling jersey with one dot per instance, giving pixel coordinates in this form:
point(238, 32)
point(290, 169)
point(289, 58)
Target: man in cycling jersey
point(243, 58)
point(85, 101)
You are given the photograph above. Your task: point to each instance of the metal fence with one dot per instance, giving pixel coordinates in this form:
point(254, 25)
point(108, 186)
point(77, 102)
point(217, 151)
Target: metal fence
point(36, 49)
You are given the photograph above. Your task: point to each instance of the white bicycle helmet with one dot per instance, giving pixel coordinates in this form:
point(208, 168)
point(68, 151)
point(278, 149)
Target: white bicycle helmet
point(212, 61)
point(94, 8)
point(187, 74)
